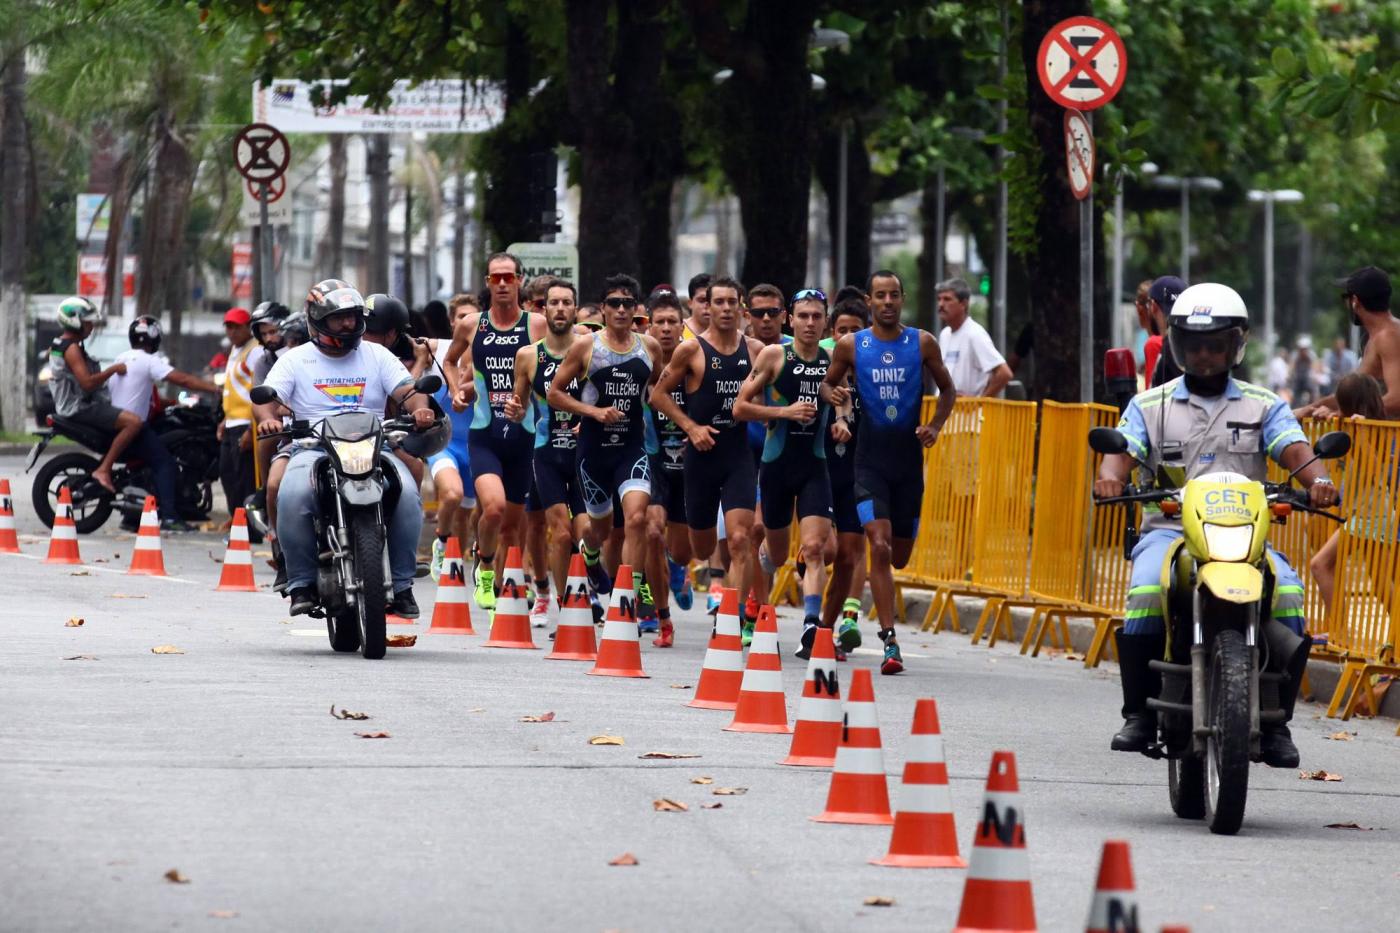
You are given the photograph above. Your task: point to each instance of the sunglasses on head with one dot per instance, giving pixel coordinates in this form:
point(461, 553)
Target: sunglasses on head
point(809, 294)
point(616, 302)
point(501, 278)
point(765, 312)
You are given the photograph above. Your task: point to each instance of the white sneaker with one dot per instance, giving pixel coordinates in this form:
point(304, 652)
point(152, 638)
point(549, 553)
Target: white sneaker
point(439, 551)
point(539, 616)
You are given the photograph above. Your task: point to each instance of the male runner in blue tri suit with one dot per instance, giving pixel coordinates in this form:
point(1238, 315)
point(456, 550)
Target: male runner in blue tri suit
point(889, 361)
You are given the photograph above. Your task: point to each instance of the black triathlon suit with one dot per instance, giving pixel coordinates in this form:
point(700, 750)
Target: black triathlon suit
point(614, 459)
point(556, 444)
point(497, 444)
point(841, 470)
point(668, 465)
point(722, 476)
point(794, 454)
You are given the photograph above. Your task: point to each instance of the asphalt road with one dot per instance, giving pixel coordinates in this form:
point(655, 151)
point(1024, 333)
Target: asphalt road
point(224, 764)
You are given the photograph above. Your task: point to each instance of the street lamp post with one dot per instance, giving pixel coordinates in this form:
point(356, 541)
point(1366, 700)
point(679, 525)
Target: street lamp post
point(1186, 185)
point(1269, 198)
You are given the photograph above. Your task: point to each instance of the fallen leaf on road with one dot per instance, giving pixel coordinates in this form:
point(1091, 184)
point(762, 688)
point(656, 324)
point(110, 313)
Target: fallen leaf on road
point(729, 791)
point(80, 573)
point(347, 714)
point(879, 901)
point(1074, 657)
point(667, 805)
point(400, 641)
point(286, 621)
point(1365, 829)
point(174, 876)
point(626, 858)
point(665, 755)
point(1318, 775)
point(373, 735)
point(543, 717)
point(103, 560)
point(477, 709)
point(606, 740)
point(702, 780)
point(126, 596)
point(223, 914)
point(80, 657)
point(711, 806)
point(1340, 736)
point(166, 649)
point(73, 622)
point(681, 686)
point(262, 553)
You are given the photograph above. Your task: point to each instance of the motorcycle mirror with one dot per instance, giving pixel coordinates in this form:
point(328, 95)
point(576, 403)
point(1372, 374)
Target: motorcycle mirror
point(1332, 445)
point(428, 383)
point(263, 395)
point(1108, 441)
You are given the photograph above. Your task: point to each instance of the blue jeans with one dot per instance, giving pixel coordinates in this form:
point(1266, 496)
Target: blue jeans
point(1145, 594)
point(296, 510)
point(149, 447)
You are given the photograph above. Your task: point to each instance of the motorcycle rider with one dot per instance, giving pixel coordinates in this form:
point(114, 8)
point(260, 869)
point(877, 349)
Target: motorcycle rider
point(266, 322)
point(1204, 422)
point(336, 372)
point(132, 391)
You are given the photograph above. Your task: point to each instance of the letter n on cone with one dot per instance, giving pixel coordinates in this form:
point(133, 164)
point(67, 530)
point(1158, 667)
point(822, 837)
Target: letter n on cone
point(1115, 896)
point(9, 542)
point(997, 894)
point(620, 652)
point(451, 615)
point(573, 639)
point(510, 627)
point(63, 543)
point(818, 729)
point(858, 791)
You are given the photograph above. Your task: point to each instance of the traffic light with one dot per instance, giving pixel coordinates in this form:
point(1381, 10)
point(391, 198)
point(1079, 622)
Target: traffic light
point(984, 285)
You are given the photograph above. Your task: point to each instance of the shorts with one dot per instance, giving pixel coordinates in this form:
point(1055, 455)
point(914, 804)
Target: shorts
point(511, 461)
point(556, 483)
point(720, 478)
point(894, 494)
point(843, 509)
point(100, 415)
point(668, 491)
point(456, 458)
point(604, 473)
point(785, 481)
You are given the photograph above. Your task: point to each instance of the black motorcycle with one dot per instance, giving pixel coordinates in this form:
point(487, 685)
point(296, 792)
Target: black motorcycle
point(356, 491)
point(188, 431)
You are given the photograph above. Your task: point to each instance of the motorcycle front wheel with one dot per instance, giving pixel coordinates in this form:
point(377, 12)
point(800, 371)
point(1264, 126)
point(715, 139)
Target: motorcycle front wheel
point(367, 547)
point(1227, 746)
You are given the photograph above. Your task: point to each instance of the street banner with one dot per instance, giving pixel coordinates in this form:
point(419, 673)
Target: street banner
point(558, 259)
point(441, 106)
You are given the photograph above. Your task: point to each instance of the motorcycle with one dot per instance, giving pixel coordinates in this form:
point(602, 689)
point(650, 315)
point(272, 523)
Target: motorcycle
point(1210, 708)
point(188, 430)
point(356, 490)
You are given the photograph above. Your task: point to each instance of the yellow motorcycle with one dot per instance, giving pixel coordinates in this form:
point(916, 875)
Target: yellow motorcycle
point(1225, 671)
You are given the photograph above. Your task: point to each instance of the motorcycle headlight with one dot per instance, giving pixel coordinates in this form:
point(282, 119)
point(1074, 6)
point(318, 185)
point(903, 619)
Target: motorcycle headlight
point(356, 457)
point(1228, 542)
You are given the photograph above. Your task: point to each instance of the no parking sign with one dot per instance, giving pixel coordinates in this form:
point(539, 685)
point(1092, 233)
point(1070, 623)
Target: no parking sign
point(1082, 63)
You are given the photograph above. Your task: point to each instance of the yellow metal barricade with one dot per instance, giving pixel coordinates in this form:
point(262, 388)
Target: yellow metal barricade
point(1364, 619)
point(1302, 537)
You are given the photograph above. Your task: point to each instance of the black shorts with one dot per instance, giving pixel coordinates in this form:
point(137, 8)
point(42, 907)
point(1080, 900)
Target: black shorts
point(510, 460)
point(606, 475)
point(668, 491)
point(843, 509)
point(556, 482)
point(722, 477)
point(786, 482)
point(890, 482)
point(97, 414)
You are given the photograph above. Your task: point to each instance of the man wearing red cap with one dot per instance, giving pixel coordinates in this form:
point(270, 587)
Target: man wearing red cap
point(235, 437)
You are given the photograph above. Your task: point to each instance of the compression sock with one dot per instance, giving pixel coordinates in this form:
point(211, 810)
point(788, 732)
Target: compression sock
point(851, 605)
point(541, 586)
point(663, 613)
point(716, 573)
point(812, 605)
point(590, 555)
point(886, 635)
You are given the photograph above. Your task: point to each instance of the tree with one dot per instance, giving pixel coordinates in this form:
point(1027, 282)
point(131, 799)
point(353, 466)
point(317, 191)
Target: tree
point(14, 188)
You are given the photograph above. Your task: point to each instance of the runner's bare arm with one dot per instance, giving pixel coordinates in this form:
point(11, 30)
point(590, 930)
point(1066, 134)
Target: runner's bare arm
point(463, 332)
point(833, 389)
point(748, 406)
point(673, 376)
point(525, 359)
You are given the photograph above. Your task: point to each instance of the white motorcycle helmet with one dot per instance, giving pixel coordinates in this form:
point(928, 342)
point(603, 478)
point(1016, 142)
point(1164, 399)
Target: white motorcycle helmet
point(1208, 329)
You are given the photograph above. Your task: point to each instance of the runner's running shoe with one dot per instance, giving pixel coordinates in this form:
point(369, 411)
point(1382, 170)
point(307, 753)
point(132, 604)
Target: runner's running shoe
point(712, 602)
point(894, 661)
point(667, 637)
point(746, 631)
point(539, 616)
point(646, 607)
point(680, 585)
point(597, 574)
point(435, 566)
point(751, 607)
point(809, 638)
point(486, 590)
point(848, 633)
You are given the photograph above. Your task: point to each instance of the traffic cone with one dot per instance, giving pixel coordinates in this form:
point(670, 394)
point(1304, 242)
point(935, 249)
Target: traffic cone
point(818, 730)
point(451, 615)
point(1115, 900)
point(762, 706)
point(620, 651)
point(238, 559)
point(510, 627)
point(573, 637)
point(722, 673)
point(146, 557)
point(997, 893)
point(9, 543)
point(924, 835)
point(63, 544)
point(858, 791)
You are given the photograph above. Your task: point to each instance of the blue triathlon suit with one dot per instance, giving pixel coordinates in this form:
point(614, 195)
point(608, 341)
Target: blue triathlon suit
point(556, 443)
point(793, 474)
point(889, 470)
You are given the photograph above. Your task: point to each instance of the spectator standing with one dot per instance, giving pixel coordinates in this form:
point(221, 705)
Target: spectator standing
point(1142, 301)
point(974, 362)
point(1162, 294)
point(1300, 379)
point(1340, 362)
point(1278, 372)
point(1367, 300)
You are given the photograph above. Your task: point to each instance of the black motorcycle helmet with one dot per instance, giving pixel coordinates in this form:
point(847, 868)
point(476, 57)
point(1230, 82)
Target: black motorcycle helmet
point(270, 315)
point(384, 313)
point(144, 334)
point(293, 328)
point(423, 444)
point(328, 297)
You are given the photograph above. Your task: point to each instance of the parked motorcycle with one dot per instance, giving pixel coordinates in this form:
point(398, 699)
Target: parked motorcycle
point(188, 431)
point(356, 491)
point(1225, 671)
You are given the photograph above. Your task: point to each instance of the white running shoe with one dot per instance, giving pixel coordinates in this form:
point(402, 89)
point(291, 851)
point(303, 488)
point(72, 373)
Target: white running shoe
point(539, 616)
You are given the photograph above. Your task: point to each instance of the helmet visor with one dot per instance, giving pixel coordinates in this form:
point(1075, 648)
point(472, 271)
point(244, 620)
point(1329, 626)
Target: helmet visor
point(1210, 353)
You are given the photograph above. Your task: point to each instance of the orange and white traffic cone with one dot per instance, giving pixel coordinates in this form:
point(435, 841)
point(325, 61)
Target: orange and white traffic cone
point(762, 705)
point(722, 673)
point(9, 542)
point(924, 835)
point(146, 556)
point(510, 627)
point(997, 893)
point(451, 615)
point(238, 558)
point(818, 729)
point(858, 791)
point(573, 638)
point(63, 544)
point(620, 650)
point(1115, 898)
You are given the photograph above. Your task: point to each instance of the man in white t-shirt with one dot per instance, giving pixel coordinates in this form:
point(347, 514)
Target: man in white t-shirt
point(972, 359)
point(133, 390)
point(338, 372)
